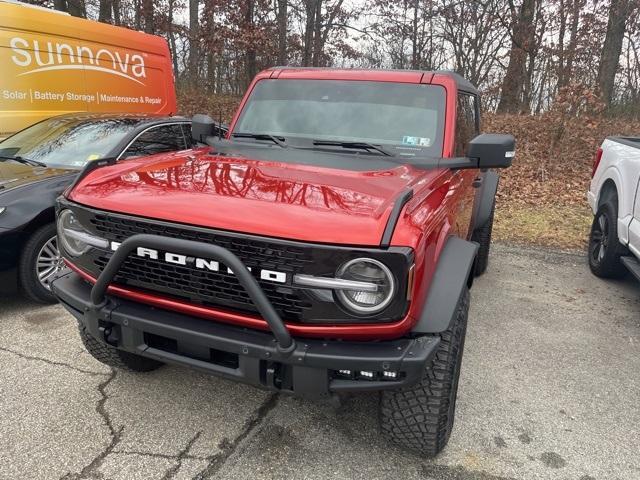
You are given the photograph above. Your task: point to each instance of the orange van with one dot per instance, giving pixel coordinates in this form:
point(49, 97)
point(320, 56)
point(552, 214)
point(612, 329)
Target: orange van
point(53, 63)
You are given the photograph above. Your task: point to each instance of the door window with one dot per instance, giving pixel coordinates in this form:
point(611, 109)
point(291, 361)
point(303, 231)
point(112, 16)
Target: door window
point(163, 138)
point(467, 125)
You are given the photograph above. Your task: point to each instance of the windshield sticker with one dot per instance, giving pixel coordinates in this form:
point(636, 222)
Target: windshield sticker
point(93, 156)
point(421, 141)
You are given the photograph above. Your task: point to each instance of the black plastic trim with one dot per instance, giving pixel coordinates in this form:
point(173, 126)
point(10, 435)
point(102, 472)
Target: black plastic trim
point(447, 285)
point(485, 198)
point(309, 364)
point(401, 201)
point(633, 142)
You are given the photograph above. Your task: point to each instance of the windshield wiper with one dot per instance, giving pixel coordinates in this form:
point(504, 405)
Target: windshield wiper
point(262, 136)
point(26, 161)
point(359, 145)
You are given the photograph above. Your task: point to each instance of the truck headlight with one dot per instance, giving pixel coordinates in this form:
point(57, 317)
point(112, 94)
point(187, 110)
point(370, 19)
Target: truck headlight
point(370, 271)
point(74, 239)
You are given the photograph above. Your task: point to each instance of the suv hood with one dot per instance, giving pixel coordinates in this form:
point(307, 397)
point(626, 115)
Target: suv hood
point(14, 174)
point(284, 200)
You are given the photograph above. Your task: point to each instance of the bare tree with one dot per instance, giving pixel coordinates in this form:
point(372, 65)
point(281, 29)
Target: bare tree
point(522, 39)
point(610, 58)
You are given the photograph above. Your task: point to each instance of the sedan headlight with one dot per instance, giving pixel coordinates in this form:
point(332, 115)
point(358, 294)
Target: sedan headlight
point(366, 301)
point(75, 240)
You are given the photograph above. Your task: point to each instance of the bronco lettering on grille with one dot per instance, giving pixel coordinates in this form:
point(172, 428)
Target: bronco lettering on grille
point(199, 263)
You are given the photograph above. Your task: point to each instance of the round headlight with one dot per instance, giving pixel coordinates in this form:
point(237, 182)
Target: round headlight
point(370, 271)
point(67, 226)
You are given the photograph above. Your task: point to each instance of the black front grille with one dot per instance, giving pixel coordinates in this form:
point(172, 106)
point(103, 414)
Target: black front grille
point(202, 286)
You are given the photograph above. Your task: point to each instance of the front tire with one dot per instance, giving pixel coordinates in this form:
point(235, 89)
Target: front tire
point(115, 358)
point(39, 262)
point(604, 247)
point(420, 418)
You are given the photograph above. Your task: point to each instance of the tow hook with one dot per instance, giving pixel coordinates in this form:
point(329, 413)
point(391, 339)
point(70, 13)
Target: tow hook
point(110, 335)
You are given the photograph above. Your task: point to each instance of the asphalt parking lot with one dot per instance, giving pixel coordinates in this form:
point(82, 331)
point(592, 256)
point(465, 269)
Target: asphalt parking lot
point(550, 389)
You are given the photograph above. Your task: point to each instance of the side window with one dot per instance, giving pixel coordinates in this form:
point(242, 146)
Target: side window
point(467, 125)
point(163, 138)
point(186, 131)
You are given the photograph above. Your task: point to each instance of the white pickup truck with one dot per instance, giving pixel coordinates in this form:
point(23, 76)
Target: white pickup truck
point(614, 242)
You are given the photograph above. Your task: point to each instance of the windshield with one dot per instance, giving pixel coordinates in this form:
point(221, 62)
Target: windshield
point(398, 115)
point(68, 142)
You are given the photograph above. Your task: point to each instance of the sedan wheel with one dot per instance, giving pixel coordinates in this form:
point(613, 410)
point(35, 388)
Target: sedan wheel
point(48, 262)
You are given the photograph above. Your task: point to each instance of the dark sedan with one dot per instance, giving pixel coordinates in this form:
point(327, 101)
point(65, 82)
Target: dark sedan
point(39, 162)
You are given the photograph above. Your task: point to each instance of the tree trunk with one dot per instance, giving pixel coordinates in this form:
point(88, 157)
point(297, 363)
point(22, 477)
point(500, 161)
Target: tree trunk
point(250, 64)
point(147, 7)
point(76, 8)
point(60, 5)
point(172, 38)
point(513, 85)
point(414, 37)
point(194, 40)
point(116, 12)
point(317, 35)
point(282, 31)
point(307, 53)
point(610, 57)
point(137, 21)
point(105, 11)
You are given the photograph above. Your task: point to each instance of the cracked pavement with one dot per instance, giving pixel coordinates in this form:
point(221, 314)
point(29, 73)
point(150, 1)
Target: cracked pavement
point(549, 390)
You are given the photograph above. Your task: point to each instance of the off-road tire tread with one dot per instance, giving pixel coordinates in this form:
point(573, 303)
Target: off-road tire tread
point(29, 283)
point(115, 358)
point(482, 236)
point(611, 266)
point(420, 418)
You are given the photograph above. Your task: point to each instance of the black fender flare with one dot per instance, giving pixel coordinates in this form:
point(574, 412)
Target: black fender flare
point(452, 276)
point(485, 198)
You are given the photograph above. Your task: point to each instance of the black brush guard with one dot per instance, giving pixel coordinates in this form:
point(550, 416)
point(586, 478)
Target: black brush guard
point(274, 360)
point(285, 343)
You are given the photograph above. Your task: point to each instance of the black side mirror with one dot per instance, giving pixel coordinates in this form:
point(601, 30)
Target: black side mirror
point(203, 126)
point(492, 150)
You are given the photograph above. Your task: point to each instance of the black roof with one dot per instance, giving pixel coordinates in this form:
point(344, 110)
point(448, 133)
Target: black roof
point(141, 117)
point(463, 84)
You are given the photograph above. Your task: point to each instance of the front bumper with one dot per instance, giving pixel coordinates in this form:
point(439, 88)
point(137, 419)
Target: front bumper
point(311, 369)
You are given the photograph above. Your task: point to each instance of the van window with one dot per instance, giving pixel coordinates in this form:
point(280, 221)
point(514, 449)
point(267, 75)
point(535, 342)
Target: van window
point(163, 138)
point(467, 125)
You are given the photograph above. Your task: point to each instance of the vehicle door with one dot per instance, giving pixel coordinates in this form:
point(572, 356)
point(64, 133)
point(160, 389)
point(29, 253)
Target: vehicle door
point(627, 155)
point(467, 127)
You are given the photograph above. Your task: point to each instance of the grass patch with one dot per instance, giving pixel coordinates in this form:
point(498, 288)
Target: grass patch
point(565, 227)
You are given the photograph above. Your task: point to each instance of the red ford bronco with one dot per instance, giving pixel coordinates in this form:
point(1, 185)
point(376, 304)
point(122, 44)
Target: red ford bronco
point(325, 243)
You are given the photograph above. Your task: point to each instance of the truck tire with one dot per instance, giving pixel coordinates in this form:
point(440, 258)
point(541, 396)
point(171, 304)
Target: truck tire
point(420, 417)
point(482, 236)
point(38, 263)
point(115, 358)
point(604, 247)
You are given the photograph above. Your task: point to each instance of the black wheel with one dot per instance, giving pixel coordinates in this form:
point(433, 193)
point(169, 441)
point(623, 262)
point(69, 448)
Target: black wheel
point(113, 357)
point(482, 235)
point(604, 247)
point(420, 417)
point(39, 262)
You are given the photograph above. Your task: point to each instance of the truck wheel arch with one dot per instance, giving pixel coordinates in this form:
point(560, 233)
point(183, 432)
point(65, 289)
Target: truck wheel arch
point(608, 188)
point(453, 274)
point(611, 180)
